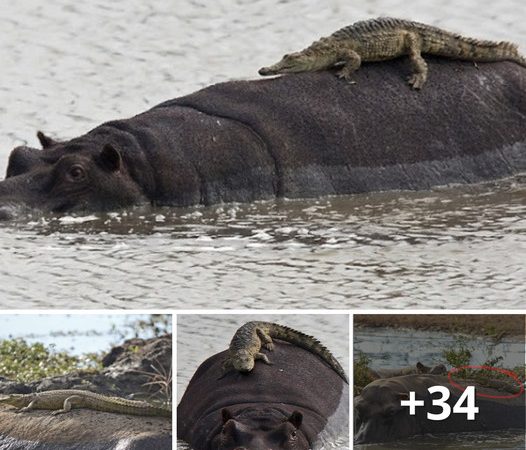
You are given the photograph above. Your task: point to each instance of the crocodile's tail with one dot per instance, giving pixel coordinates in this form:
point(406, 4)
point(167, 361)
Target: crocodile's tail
point(508, 51)
point(16, 400)
point(487, 51)
point(133, 407)
point(519, 59)
point(439, 42)
point(308, 343)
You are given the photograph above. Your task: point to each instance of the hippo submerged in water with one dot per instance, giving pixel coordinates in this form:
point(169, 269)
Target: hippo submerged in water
point(297, 137)
point(297, 403)
point(439, 369)
point(379, 416)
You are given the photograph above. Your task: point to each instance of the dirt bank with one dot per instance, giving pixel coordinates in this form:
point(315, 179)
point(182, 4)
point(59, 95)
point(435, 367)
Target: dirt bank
point(495, 325)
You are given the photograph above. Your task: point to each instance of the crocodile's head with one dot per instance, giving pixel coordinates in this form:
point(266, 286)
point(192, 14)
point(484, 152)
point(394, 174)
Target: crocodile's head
point(243, 361)
point(299, 62)
point(17, 400)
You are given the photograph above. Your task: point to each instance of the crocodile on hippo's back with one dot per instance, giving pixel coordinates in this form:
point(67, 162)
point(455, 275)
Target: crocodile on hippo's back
point(64, 400)
point(386, 38)
point(297, 137)
point(245, 347)
point(296, 403)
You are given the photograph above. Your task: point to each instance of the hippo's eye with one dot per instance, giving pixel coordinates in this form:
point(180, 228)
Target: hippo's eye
point(76, 173)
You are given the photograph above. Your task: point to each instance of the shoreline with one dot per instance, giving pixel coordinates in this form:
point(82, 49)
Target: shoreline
point(494, 326)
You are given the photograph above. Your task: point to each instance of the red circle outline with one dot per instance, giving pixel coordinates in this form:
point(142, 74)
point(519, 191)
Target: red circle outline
point(509, 373)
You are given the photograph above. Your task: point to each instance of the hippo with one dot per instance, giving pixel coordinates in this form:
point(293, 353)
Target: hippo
point(379, 416)
point(298, 136)
point(297, 403)
point(439, 369)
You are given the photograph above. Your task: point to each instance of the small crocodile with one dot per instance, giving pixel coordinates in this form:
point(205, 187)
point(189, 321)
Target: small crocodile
point(387, 38)
point(245, 347)
point(62, 401)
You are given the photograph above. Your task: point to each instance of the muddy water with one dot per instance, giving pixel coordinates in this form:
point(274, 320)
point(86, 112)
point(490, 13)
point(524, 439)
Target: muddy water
point(201, 336)
point(68, 66)
point(451, 248)
point(511, 439)
point(389, 348)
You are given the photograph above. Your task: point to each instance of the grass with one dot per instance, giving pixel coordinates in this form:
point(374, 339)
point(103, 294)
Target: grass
point(23, 362)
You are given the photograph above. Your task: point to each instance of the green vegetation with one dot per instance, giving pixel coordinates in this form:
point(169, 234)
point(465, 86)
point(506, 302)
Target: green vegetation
point(362, 372)
point(458, 354)
point(160, 380)
point(25, 362)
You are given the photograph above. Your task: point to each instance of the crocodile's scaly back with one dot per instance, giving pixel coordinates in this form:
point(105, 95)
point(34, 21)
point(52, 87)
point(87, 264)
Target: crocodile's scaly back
point(435, 41)
point(387, 38)
point(66, 399)
point(248, 340)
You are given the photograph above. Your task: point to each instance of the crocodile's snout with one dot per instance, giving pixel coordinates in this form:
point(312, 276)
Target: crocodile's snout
point(266, 71)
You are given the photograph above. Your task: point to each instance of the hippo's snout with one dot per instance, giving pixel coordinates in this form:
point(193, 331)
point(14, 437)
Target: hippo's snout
point(7, 213)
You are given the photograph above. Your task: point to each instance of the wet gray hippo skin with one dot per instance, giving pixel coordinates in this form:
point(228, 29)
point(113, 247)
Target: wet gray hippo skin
point(439, 369)
point(291, 404)
point(380, 418)
point(296, 136)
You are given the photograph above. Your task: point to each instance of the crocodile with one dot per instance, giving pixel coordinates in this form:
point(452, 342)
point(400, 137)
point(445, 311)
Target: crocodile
point(388, 38)
point(62, 401)
point(245, 347)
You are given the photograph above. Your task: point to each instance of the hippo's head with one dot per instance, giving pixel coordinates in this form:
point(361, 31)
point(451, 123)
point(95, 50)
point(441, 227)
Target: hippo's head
point(378, 414)
point(260, 430)
point(63, 177)
point(440, 369)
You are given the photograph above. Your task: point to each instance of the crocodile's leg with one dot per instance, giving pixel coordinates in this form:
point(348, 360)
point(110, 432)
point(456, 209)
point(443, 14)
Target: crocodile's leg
point(418, 65)
point(68, 404)
point(266, 340)
point(226, 367)
point(29, 407)
point(352, 62)
point(263, 358)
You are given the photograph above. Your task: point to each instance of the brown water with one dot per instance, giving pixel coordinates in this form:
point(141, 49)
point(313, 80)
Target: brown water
point(496, 440)
point(454, 248)
point(68, 66)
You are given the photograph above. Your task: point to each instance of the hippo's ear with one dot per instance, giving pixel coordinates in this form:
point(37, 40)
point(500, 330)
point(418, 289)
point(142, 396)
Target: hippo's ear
point(296, 418)
point(420, 367)
point(226, 414)
point(46, 141)
point(439, 370)
point(110, 158)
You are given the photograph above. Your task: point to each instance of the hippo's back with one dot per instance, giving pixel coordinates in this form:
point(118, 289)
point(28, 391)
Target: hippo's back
point(327, 136)
point(296, 380)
